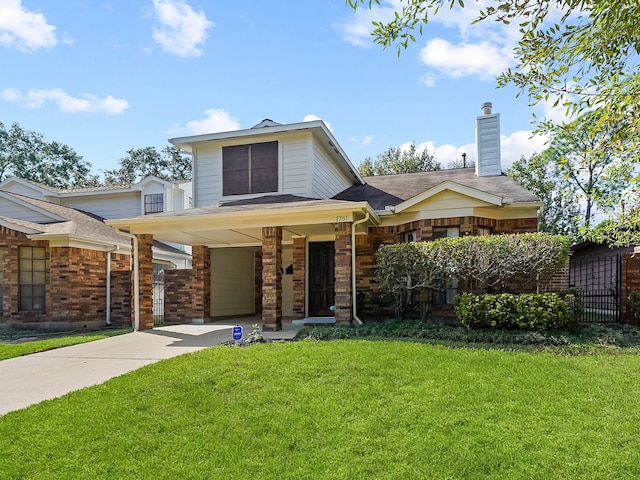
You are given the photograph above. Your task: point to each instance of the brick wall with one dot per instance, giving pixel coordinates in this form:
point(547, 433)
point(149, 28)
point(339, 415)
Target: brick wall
point(299, 262)
point(343, 286)
point(272, 278)
point(145, 273)
point(201, 283)
point(121, 290)
point(630, 282)
point(371, 304)
point(177, 296)
point(75, 287)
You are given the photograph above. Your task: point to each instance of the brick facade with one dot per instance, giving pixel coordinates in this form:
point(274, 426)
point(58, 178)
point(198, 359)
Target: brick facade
point(145, 279)
point(343, 286)
point(272, 278)
point(372, 304)
point(178, 285)
point(630, 282)
point(75, 287)
point(201, 288)
point(299, 270)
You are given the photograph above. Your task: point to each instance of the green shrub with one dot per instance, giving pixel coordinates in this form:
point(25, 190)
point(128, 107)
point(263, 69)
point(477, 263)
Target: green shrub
point(523, 312)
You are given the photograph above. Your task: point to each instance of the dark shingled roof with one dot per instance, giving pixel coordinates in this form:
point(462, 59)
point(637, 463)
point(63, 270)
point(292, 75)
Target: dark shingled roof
point(269, 202)
point(390, 190)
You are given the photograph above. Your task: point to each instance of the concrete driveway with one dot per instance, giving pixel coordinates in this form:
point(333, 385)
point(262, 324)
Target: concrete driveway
point(33, 378)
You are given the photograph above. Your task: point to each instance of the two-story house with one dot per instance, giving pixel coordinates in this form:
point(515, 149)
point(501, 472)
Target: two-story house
point(284, 226)
point(61, 267)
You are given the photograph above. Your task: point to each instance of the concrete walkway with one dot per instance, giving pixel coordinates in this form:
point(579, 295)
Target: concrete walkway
point(33, 378)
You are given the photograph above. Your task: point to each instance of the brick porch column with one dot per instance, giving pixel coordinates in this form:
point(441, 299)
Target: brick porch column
point(272, 278)
point(145, 272)
point(201, 284)
point(299, 290)
point(343, 287)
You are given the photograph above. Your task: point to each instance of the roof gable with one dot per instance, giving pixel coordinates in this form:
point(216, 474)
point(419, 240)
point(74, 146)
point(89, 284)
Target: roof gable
point(449, 186)
point(384, 191)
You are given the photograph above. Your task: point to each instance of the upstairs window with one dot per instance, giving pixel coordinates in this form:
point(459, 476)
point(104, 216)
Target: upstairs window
point(153, 203)
point(32, 278)
point(250, 169)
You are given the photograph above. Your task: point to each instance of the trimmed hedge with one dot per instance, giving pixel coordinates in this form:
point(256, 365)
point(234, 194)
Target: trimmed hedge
point(524, 312)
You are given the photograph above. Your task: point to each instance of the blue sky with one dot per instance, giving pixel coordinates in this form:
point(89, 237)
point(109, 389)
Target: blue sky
point(103, 77)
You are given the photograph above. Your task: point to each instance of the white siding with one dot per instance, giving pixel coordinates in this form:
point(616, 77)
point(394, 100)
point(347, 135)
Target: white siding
point(488, 144)
point(295, 165)
point(232, 282)
point(27, 191)
point(306, 169)
point(122, 205)
point(207, 185)
point(328, 180)
point(14, 210)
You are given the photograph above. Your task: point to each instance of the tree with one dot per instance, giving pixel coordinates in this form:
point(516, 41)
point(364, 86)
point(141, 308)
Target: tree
point(396, 160)
point(587, 59)
point(169, 164)
point(28, 155)
point(622, 230)
point(541, 176)
point(589, 160)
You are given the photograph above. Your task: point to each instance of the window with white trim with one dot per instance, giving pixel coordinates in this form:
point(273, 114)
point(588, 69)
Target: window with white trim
point(446, 232)
point(31, 282)
point(153, 203)
point(250, 168)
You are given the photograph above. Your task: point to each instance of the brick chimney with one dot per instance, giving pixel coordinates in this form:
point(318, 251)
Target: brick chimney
point(488, 142)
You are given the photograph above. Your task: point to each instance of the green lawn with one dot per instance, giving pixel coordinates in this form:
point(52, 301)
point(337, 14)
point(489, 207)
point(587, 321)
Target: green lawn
point(10, 350)
point(352, 409)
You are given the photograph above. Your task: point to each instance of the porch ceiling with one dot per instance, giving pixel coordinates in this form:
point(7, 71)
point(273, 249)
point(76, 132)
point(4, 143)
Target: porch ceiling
point(219, 227)
point(215, 237)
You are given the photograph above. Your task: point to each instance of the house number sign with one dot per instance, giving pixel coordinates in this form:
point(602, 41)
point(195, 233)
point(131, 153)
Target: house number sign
point(341, 218)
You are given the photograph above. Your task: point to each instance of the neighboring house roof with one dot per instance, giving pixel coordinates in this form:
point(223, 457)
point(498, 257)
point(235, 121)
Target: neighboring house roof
point(390, 190)
point(123, 187)
point(66, 222)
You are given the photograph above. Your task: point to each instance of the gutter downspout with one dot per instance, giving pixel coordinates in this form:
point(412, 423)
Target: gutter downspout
point(136, 280)
point(353, 267)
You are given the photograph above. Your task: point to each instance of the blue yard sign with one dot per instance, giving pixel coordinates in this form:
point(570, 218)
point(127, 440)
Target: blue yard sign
point(237, 333)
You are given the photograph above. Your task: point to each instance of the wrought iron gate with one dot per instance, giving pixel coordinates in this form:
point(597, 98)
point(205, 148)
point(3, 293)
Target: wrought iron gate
point(158, 293)
point(600, 282)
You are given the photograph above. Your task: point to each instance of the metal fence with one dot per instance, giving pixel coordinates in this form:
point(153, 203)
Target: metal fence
point(158, 292)
point(600, 282)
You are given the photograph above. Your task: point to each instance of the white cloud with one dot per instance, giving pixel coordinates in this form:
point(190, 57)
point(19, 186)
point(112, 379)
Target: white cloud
point(362, 142)
point(24, 30)
point(512, 147)
point(182, 30)
point(311, 117)
point(357, 28)
point(366, 141)
point(484, 60)
point(481, 50)
point(216, 120)
point(521, 143)
point(67, 104)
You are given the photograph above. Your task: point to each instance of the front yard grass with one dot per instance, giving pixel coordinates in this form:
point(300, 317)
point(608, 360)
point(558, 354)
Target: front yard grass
point(345, 409)
point(12, 343)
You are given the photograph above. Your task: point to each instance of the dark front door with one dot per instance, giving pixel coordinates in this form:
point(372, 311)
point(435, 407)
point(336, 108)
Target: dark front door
point(321, 279)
